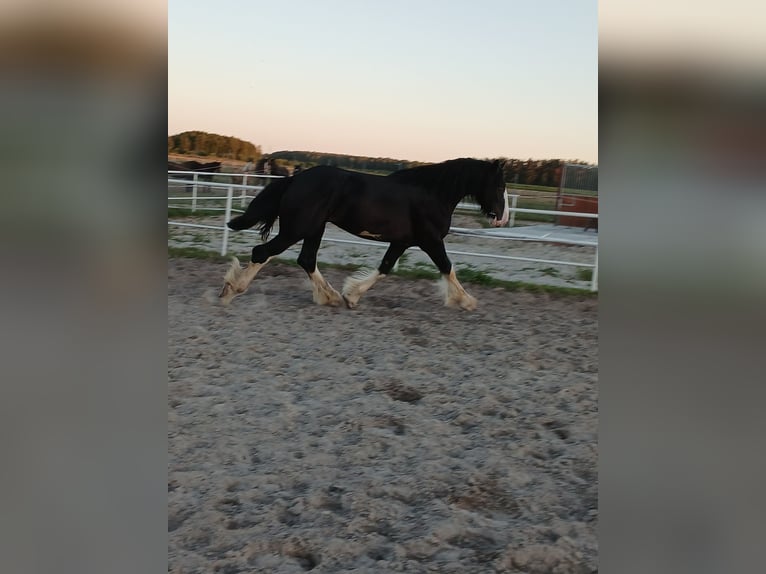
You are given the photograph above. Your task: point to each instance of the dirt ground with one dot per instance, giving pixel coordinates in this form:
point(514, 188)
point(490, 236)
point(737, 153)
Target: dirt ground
point(402, 436)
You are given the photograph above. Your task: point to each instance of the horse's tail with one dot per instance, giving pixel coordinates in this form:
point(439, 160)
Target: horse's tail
point(264, 209)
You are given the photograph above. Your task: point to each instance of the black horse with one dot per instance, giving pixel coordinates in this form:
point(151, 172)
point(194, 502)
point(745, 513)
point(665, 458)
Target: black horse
point(410, 207)
point(209, 167)
point(268, 166)
point(192, 165)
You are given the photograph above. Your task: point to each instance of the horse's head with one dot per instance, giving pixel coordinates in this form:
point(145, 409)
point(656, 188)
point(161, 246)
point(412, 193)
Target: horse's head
point(492, 198)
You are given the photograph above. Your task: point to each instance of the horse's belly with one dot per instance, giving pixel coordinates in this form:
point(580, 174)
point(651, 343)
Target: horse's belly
point(383, 233)
point(370, 235)
point(380, 235)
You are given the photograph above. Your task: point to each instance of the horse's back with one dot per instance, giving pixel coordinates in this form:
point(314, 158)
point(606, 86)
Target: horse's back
point(366, 205)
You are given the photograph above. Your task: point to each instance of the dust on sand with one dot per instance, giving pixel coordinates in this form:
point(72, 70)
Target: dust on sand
point(402, 436)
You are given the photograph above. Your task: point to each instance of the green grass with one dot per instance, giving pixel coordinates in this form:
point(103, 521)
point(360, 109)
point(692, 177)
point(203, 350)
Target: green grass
point(474, 276)
point(423, 264)
point(540, 217)
point(197, 253)
point(183, 212)
point(537, 204)
point(584, 274)
point(524, 186)
point(550, 189)
point(200, 238)
point(422, 270)
point(419, 271)
point(342, 266)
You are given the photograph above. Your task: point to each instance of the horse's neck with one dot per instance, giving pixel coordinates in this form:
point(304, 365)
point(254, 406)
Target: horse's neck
point(453, 197)
point(449, 198)
point(449, 195)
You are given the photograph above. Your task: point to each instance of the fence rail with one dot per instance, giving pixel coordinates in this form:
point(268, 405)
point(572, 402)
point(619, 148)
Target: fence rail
point(244, 188)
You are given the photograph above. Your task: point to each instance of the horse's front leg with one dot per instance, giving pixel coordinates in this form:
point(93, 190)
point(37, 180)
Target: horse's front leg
point(359, 283)
point(323, 292)
point(454, 293)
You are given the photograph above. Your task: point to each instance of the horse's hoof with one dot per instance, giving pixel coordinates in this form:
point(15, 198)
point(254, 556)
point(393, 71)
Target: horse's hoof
point(328, 300)
point(468, 302)
point(226, 294)
point(349, 304)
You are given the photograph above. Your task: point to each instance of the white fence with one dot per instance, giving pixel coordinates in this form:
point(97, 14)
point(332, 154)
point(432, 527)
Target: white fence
point(235, 191)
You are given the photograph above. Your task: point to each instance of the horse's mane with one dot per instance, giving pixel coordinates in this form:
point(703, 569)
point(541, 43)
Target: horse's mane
point(454, 176)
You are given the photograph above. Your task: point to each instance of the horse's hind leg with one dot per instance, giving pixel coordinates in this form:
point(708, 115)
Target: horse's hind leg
point(454, 294)
point(359, 283)
point(323, 292)
point(237, 280)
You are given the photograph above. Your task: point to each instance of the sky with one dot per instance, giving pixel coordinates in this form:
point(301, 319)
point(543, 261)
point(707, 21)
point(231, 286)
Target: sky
point(418, 80)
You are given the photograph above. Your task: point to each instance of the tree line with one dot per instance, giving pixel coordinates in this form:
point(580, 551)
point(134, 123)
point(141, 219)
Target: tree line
point(308, 159)
point(546, 172)
point(206, 144)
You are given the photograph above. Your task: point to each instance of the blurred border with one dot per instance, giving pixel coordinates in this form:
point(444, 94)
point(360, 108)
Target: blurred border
point(83, 109)
point(682, 278)
point(84, 283)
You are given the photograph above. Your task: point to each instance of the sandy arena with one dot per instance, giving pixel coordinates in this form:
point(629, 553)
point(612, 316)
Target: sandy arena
point(402, 436)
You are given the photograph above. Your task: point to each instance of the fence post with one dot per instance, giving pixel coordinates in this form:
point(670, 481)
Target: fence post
point(229, 197)
point(194, 194)
point(594, 279)
point(244, 191)
point(514, 200)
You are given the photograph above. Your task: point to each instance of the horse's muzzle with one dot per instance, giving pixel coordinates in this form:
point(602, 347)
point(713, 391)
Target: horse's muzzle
point(495, 222)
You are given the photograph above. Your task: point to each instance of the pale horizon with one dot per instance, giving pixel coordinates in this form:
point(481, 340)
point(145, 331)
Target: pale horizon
point(417, 81)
